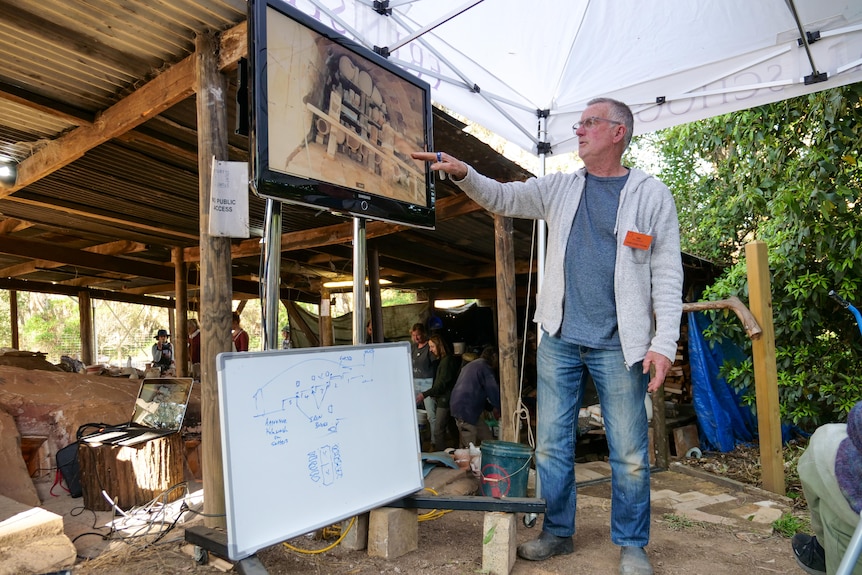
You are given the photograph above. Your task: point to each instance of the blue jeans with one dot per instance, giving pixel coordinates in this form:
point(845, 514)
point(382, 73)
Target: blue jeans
point(562, 373)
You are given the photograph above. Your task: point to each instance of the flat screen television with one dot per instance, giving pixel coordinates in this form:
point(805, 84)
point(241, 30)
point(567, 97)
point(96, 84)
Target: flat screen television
point(332, 124)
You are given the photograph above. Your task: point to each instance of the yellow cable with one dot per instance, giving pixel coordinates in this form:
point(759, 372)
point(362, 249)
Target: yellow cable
point(325, 549)
point(434, 513)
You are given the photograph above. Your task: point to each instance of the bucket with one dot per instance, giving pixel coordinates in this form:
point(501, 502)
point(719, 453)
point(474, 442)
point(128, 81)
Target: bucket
point(421, 417)
point(505, 468)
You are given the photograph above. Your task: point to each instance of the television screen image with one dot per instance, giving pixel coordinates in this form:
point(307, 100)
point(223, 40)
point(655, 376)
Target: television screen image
point(334, 124)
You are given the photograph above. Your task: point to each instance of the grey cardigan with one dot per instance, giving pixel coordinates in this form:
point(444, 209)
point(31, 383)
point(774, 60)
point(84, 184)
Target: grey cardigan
point(647, 283)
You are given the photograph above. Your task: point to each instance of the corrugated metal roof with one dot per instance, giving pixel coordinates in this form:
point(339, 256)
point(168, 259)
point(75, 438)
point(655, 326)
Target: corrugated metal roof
point(69, 63)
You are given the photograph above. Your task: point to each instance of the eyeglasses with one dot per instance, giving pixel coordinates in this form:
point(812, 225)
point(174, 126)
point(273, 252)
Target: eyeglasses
point(591, 122)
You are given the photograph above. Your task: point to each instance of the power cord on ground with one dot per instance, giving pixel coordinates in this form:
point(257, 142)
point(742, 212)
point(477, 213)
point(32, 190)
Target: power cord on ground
point(325, 549)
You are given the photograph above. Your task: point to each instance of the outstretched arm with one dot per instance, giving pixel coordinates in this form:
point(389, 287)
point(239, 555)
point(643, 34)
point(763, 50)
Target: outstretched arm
point(443, 162)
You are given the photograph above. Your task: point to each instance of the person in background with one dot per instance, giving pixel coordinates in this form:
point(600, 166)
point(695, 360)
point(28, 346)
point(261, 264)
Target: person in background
point(239, 335)
point(475, 387)
point(163, 352)
point(285, 338)
point(609, 307)
point(444, 380)
point(830, 471)
point(369, 332)
point(195, 348)
point(424, 368)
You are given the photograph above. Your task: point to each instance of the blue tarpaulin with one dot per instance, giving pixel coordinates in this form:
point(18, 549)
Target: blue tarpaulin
point(724, 422)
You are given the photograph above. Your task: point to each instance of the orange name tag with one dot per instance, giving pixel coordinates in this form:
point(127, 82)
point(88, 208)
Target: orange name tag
point(637, 240)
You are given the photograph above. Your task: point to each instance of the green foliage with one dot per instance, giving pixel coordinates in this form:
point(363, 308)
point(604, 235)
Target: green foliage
point(680, 522)
point(51, 324)
point(789, 525)
point(786, 174)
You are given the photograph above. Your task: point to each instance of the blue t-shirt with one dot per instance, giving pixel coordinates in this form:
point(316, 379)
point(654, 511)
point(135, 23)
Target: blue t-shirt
point(589, 306)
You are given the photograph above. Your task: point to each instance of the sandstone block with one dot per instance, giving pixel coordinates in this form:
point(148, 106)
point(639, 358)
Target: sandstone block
point(392, 532)
point(499, 543)
point(32, 540)
point(15, 481)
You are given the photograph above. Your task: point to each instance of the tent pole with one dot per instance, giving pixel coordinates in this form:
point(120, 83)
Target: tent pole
point(541, 241)
point(272, 274)
point(359, 267)
point(803, 39)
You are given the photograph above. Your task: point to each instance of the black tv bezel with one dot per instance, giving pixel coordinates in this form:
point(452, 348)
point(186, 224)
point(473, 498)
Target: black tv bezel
point(313, 193)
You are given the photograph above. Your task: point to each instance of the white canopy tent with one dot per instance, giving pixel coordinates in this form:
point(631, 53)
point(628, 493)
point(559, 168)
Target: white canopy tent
point(525, 69)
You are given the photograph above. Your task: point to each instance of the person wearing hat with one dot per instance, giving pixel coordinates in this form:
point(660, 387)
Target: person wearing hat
point(163, 352)
point(285, 338)
point(831, 474)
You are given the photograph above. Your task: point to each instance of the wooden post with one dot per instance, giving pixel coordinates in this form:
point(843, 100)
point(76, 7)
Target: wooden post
point(13, 317)
point(660, 446)
point(85, 314)
point(507, 328)
point(375, 302)
point(765, 371)
point(216, 290)
point(181, 287)
point(325, 328)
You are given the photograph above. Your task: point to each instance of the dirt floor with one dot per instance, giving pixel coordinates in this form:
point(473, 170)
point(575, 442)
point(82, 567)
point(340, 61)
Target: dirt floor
point(703, 523)
point(452, 545)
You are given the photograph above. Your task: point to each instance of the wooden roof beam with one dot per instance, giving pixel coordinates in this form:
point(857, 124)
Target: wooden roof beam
point(449, 207)
point(170, 87)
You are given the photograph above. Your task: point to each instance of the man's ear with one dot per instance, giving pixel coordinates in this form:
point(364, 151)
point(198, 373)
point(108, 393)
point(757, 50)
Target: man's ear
point(620, 133)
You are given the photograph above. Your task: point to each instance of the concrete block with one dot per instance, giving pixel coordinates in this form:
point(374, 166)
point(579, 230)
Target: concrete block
point(499, 543)
point(392, 532)
point(357, 538)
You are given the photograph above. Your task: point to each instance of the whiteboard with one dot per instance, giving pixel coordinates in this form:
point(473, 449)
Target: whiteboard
point(313, 436)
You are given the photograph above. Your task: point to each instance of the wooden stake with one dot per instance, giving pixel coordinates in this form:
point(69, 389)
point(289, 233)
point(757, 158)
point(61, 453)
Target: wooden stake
point(765, 371)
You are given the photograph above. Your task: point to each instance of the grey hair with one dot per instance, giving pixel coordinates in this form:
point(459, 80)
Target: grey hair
point(621, 113)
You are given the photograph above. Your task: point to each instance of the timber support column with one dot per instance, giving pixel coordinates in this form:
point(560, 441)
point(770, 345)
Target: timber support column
point(507, 329)
point(216, 288)
point(325, 327)
point(13, 317)
point(180, 337)
point(374, 298)
point(85, 314)
point(765, 370)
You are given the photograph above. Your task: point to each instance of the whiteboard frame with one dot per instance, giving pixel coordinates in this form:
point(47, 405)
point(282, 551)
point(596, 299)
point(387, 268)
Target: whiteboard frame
point(313, 436)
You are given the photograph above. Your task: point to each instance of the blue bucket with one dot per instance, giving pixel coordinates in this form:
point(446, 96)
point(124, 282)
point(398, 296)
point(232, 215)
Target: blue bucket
point(505, 468)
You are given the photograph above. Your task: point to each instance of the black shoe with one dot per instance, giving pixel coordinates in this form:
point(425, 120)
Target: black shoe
point(809, 554)
point(545, 546)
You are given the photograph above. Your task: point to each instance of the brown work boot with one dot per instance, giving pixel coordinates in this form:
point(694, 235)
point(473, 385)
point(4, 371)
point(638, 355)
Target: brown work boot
point(545, 546)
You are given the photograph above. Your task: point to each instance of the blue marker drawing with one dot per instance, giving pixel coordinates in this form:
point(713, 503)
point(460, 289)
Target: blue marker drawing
point(306, 394)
